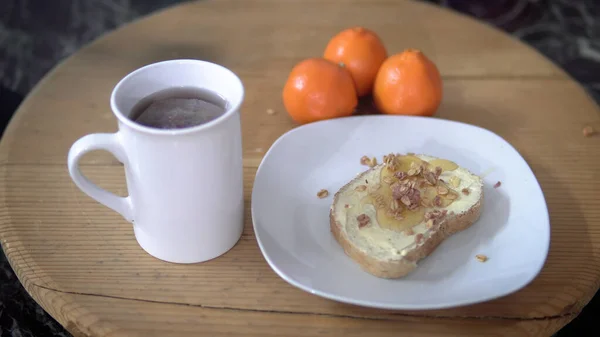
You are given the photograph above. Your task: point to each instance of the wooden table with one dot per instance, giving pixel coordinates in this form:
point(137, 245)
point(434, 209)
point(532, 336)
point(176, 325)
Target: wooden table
point(80, 260)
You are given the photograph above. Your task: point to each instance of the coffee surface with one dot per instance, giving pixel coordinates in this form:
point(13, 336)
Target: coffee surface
point(178, 108)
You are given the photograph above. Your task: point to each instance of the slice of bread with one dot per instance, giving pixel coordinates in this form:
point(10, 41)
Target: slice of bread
point(397, 213)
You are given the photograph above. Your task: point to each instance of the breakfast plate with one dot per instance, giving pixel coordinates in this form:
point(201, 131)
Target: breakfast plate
point(292, 224)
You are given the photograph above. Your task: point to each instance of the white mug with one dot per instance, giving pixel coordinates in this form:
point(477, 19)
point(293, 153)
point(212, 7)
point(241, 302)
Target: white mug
point(185, 185)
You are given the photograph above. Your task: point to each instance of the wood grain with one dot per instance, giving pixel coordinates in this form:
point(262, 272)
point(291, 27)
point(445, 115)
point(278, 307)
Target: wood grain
point(82, 263)
point(147, 319)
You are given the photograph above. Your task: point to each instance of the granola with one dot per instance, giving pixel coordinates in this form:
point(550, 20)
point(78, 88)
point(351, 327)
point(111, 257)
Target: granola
point(435, 214)
point(588, 131)
point(323, 194)
point(419, 238)
point(401, 175)
point(370, 162)
point(391, 162)
point(430, 177)
point(363, 220)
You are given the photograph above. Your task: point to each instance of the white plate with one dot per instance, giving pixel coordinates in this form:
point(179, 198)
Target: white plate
point(292, 224)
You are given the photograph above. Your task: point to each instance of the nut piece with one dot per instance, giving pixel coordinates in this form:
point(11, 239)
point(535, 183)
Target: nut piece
point(435, 214)
point(370, 162)
point(398, 190)
point(347, 206)
point(429, 223)
point(363, 220)
point(394, 205)
point(419, 238)
point(390, 162)
point(466, 191)
point(401, 175)
point(413, 207)
point(481, 257)
point(454, 181)
point(407, 194)
point(418, 168)
point(360, 188)
point(498, 184)
point(430, 177)
point(405, 200)
point(323, 194)
point(588, 131)
point(437, 201)
point(408, 232)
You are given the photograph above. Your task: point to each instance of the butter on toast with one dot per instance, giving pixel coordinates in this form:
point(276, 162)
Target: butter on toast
point(397, 213)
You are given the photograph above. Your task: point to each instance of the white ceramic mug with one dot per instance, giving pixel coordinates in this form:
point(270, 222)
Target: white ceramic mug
point(185, 185)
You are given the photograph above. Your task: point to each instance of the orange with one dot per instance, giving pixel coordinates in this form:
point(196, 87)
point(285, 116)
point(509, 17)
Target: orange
point(408, 83)
point(362, 53)
point(318, 89)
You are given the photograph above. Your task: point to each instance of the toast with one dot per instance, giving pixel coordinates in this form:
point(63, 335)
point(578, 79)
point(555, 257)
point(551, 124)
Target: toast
point(394, 214)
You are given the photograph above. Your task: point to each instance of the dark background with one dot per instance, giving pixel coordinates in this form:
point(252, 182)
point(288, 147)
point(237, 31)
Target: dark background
point(37, 34)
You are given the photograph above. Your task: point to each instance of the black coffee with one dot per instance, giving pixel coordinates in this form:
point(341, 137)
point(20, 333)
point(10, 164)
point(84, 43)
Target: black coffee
point(178, 108)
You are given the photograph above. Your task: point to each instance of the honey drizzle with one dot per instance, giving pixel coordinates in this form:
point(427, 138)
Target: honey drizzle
point(382, 198)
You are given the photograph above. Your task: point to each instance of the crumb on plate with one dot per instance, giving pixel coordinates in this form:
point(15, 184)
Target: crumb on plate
point(588, 131)
point(323, 194)
point(370, 162)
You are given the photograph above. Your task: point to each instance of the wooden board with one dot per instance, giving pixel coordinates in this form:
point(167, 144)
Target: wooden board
point(80, 261)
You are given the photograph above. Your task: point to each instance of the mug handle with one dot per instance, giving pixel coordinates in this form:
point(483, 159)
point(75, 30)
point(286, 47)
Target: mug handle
point(110, 142)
